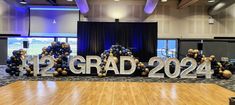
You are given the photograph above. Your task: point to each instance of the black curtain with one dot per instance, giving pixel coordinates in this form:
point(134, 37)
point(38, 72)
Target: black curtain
point(95, 37)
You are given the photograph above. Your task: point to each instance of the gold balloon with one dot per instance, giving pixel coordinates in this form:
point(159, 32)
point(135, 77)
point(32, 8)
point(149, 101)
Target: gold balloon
point(141, 64)
point(136, 60)
point(44, 49)
point(53, 43)
point(59, 70)
point(203, 59)
point(110, 54)
point(196, 51)
point(64, 72)
point(220, 71)
point(203, 56)
point(105, 61)
point(115, 59)
point(146, 70)
point(100, 75)
point(103, 71)
point(190, 50)
point(144, 73)
point(55, 73)
point(212, 56)
point(28, 70)
point(66, 45)
point(31, 72)
point(220, 65)
point(227, 74)
point(104, 74)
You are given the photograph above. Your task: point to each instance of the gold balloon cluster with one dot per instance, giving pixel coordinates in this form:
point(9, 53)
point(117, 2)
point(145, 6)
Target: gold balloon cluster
point(14, 62)
point(116, 51)
point(194, 53)
point(29, 70)
point(220, 69)
point(60, 71)
point(60, 51)
point(103, 72)
point(142, 67)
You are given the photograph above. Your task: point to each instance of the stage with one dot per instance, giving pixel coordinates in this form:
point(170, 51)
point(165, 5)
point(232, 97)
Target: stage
point(112, 93)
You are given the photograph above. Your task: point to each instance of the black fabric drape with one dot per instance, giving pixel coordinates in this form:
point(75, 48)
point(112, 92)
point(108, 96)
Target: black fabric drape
point(95, 37)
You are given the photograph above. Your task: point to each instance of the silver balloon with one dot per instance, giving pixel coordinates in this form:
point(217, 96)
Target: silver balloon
point(153, 72)
point(45, 70)
point(82, 66)
point(111, 61)
point(89, 64)
point(122, 65)
point(186, 73)
point(177, 67)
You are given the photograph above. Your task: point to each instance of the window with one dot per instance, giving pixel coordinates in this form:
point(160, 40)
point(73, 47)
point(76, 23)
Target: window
point(73, 45)
point(14, 44)
point(62, 39)
point(36, 44)
point(167, 48)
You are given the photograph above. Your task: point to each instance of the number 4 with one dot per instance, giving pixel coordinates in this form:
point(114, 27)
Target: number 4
point(205, 69)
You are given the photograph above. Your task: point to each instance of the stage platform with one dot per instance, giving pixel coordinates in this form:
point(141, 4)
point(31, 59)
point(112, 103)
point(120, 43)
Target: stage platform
point(112, 93)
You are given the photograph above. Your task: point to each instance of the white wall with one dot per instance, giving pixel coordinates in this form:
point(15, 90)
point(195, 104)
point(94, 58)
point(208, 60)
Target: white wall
point(109, 10)
point(54, 22)
point(13, 19)
point(191, 22)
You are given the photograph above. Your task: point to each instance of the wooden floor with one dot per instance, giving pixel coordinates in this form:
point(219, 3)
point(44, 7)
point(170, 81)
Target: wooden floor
point(112, 93)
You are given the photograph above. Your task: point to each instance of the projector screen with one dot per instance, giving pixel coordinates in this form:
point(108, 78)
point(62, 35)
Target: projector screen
point(53, 22)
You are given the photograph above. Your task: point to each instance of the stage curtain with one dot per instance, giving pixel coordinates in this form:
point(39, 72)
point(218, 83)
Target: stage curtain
point(95, 37)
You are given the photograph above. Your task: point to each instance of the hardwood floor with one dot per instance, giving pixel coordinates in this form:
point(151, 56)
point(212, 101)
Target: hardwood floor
point(112, 93)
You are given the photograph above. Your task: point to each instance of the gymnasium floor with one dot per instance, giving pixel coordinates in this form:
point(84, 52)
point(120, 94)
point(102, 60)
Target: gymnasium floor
point(112, 93)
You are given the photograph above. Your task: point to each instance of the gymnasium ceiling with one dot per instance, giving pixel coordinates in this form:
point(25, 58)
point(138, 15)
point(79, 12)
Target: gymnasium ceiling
point(72, 2)
point(181, 3)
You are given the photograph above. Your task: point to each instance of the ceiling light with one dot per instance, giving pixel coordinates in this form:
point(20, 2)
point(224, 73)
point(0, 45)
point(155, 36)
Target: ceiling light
point(211, 1)
point(163, 0)
point(23, 2)
point(69, 0)
point(116, 0)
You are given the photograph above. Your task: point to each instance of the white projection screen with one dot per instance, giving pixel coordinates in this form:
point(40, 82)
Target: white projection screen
point(53, 22)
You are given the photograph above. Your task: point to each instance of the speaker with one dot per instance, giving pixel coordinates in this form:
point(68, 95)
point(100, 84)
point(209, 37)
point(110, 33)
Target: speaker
point(25, 44)
point(200, 46)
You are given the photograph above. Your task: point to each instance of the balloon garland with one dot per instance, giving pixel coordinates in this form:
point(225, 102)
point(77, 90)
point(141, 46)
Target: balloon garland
point(60, 51)
point(14, 62)
point(116, 51)
point(221, 69)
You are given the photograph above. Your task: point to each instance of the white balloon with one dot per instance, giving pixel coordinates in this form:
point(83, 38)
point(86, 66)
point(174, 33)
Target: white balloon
point(46, 69)
point(113, 66)
point(122, 65)
point(193, 65)
point(89, 64)
point(153, 72)
point(82, 66)
point(177, 67)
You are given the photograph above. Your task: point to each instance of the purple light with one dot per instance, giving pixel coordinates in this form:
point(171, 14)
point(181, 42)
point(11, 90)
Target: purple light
point(150, 6)
point(83, 6)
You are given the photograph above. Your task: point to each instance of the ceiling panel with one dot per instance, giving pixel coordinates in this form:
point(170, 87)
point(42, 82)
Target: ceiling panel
point(45, 2)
